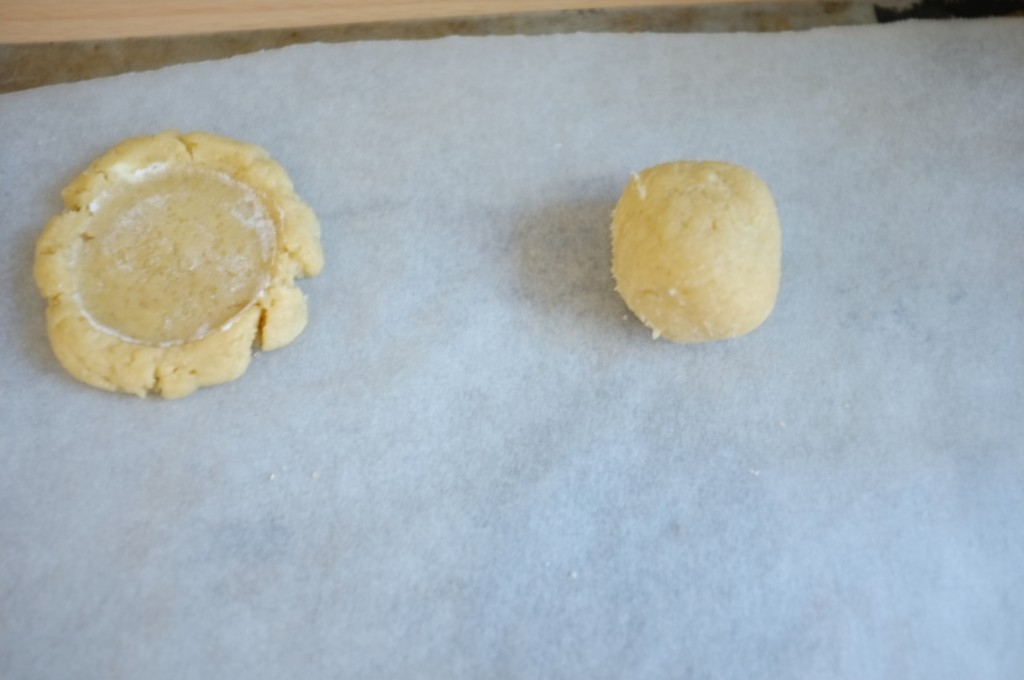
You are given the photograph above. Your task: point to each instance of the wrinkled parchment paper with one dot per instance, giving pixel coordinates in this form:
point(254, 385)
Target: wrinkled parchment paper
point(475, 463)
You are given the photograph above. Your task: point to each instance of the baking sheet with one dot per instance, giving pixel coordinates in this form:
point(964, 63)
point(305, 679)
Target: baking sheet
point(474, 462)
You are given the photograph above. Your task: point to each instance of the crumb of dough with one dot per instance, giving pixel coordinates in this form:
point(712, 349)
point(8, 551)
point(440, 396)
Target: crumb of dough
point(696, 250)
point(174, 257)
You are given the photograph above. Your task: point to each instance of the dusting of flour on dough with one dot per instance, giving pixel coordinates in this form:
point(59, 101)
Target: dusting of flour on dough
point(172, 290)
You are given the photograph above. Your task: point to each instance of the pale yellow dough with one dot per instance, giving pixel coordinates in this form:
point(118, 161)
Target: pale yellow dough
point(174, 257)
point(696, 250)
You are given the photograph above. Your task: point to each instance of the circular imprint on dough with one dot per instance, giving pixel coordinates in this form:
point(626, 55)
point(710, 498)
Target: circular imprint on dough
point(696, 250)
point(175, 255)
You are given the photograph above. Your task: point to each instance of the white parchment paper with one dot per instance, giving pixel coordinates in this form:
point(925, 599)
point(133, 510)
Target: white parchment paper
point(475, 463)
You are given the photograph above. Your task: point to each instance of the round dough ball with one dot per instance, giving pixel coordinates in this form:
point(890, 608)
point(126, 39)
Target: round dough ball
point(174, 256)
point(696, 250)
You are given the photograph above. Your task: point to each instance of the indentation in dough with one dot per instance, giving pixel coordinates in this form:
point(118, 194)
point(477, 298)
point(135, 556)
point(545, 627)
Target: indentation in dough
point(175, 255)
point(174, 258)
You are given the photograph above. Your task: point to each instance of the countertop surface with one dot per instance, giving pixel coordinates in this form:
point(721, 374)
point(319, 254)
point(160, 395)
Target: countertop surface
point(32, 65)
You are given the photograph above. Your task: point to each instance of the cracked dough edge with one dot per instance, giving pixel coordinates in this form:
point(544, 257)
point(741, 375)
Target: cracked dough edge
point(277, 317)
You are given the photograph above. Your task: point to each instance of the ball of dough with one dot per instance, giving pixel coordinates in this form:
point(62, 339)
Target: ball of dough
point(696, 250)
point(174, 256)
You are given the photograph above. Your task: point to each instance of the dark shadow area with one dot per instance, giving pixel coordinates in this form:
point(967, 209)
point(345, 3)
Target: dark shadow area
point(563, 253)
point(950, 9)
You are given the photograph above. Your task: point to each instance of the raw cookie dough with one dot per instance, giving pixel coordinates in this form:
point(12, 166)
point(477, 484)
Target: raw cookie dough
point(696, 250)
point(174, 257)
